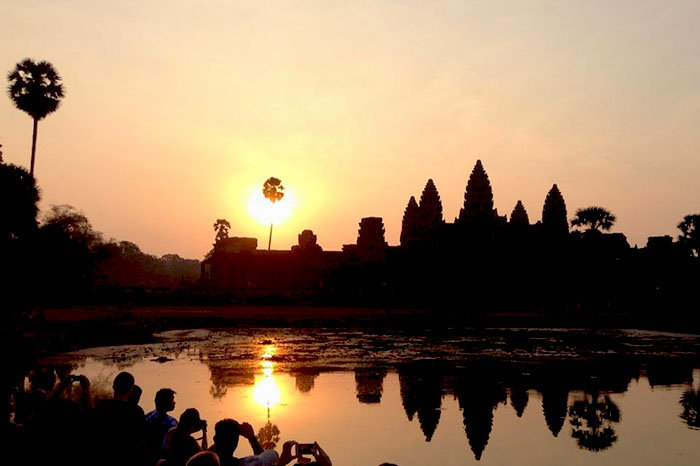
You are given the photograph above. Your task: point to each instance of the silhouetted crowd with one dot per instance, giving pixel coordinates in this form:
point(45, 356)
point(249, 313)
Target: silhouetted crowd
point(57, 422)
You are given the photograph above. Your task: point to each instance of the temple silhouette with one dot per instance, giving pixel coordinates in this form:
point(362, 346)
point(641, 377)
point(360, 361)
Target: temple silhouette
point(542, 264)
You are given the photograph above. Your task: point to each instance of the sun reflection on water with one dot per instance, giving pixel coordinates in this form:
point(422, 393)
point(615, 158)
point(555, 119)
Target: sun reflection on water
point(266, 391)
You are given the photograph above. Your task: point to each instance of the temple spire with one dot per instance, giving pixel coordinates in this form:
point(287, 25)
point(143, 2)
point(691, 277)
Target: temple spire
point(410, 223)
point(519, 215)
point(430, 207)
point(554, 218)
point(478, 198)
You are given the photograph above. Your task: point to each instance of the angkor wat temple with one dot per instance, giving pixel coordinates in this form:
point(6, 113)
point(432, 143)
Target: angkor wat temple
point(480, 261)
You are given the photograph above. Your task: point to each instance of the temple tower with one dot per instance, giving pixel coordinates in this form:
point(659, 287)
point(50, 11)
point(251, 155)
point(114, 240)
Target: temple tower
point(410, 223)
point(554, 219)
point(430, 207)
point(478, 199)
point(371, 233)
point(519, 215)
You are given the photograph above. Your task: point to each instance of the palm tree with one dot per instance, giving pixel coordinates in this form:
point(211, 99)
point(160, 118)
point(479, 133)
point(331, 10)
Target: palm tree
point(36, 89)
point(592, 421)
point(221, 226)
point(690, 400)
point(273, 191)
point(594, 218)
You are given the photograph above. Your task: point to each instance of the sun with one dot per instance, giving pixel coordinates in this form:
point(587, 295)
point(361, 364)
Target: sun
point(267, 212)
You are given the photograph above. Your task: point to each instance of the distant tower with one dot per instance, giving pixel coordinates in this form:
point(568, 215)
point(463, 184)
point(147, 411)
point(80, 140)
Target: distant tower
point(409, 225)
point(478, 199)
point(430, 207)
point(308, 242)
point(554, 218)
point(371, 234)
point(519, 215)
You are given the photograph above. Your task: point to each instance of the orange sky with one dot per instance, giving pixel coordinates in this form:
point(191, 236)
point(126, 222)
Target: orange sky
point(175, 112)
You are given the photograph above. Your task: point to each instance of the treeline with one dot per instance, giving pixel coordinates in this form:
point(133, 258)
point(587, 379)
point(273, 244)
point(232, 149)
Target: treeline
point(60, 259)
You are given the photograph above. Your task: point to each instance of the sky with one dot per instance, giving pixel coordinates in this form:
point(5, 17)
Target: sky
point(176, 112)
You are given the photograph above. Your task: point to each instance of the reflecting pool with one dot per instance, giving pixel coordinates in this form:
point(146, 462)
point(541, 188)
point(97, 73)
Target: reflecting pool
point(498, 397)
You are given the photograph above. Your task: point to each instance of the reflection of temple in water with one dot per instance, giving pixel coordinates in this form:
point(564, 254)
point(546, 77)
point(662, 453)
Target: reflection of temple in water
point(518, 399)
point(305, 379)
point(480, 387)
point(554, 407)
point(422, 394)
point(224, 375)
point(669, 373)
point(574, 391)
point(478, 390)
point(369, 384)
point(478, 393)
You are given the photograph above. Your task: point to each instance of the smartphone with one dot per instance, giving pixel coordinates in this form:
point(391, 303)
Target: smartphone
point(305, 449)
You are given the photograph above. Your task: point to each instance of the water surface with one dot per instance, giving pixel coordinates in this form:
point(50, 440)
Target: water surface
point(450, 397)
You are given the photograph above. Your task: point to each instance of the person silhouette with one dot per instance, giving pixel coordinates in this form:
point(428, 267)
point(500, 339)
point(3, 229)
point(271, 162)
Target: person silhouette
point(119, 426)
point(226, 436)
point(179, 444)
point(159, 423)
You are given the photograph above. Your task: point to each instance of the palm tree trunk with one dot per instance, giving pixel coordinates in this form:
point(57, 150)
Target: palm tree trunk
point(31, 166)
point(269, 243)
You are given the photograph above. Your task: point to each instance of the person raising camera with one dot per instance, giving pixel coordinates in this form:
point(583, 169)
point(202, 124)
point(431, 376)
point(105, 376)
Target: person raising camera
point(179, 444)
point(226, 435)
point(300, 452)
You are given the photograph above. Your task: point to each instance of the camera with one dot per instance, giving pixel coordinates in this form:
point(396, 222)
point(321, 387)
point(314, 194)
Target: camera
point(305, 449)
point(74, 378)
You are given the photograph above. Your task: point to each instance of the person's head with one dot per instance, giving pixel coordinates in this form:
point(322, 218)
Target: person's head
point(43, 379)
point(135, 395)
point(63, 373)
point(190, 421)
point(226, 433)
point(123, 384)
point(165, 400)
point(204, 458)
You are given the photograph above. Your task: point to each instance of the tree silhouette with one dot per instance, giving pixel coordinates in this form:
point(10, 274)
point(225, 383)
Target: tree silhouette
point(690, 232)
point(36, 89)
point(690, 400)
point(594, 219)
point(19, 197)
point(592, 422)
point(273, 191)
point(67, 250)
point(269, 436)
point(221, 226)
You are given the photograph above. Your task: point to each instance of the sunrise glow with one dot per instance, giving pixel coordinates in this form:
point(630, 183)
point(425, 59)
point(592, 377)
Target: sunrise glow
point(266, 212)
